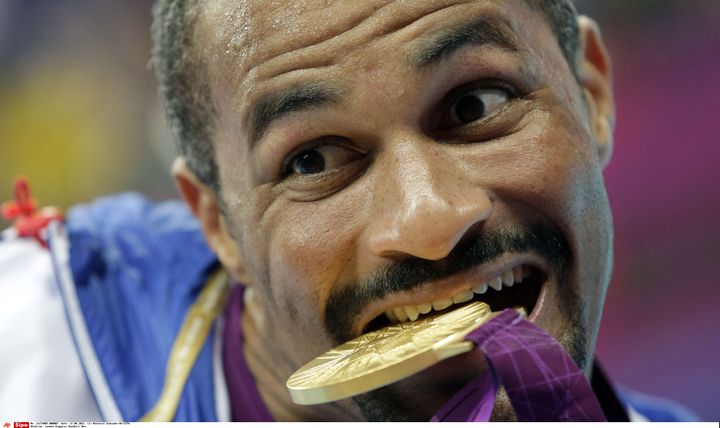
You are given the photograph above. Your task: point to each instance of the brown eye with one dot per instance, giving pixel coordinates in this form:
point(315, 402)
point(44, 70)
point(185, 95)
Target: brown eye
point(319, 159)
point(475, 105)
point(308, 162)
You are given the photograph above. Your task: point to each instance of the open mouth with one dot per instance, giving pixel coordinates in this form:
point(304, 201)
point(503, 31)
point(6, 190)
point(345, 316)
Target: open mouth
point(519, 286)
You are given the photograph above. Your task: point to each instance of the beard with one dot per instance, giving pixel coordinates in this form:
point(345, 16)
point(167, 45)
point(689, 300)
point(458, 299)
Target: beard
point(415, 399)
point(410, 401)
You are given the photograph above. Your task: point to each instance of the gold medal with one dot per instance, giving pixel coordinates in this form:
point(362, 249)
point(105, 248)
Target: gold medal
point(388, 355)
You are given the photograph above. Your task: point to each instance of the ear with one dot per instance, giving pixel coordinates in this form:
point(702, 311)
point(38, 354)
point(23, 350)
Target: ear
point(593, 64)
point(203, 203)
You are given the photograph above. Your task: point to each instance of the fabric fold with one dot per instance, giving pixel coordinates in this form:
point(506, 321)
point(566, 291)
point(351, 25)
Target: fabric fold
point(541, 379)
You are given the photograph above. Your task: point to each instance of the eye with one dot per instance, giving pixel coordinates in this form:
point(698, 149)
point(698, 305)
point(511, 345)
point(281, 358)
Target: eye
point(320, 158)
point(474, 105)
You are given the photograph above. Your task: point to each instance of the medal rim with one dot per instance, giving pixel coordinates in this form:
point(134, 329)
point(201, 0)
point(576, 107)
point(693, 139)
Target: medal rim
point(447, 347)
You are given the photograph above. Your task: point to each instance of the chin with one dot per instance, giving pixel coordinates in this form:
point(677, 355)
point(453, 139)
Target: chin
point(419, 397)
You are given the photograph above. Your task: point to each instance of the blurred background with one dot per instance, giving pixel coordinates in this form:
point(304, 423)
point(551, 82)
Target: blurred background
point(80, 117)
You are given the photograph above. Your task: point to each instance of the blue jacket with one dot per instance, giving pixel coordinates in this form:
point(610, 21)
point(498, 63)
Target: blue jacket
point(129, 270)
point(136, 268)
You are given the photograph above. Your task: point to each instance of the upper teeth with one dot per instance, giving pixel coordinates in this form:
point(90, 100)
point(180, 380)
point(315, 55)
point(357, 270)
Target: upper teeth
point(413, 312)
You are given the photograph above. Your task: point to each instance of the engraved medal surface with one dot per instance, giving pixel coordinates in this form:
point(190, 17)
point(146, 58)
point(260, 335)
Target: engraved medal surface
point(387, 355)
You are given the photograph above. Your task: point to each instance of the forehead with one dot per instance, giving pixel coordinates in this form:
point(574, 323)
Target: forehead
point(255, 44)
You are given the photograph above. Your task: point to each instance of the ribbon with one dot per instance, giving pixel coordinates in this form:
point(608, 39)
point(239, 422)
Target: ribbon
point(541, 379)
point(27, 220)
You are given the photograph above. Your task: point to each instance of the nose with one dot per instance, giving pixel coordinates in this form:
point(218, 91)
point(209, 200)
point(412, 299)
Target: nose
point(423, 205)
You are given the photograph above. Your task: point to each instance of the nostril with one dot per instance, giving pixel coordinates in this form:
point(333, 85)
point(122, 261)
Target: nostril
point(418, 245)
point(424, 212)
point(426, 232)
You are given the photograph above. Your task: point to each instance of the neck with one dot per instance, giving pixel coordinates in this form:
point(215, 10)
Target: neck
point(271, 368)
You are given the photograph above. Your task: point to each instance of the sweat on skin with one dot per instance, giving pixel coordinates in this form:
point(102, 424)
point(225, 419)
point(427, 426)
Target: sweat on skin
point(356, 139)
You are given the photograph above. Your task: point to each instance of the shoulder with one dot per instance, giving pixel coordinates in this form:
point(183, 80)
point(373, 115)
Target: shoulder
point(135, 268)
point(130, 233)
point(646, 408)
point(107, 299)
point(130, 216)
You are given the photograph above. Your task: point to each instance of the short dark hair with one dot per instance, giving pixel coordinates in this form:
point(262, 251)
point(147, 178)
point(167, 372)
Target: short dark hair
point(184, 86)
point(185, 89)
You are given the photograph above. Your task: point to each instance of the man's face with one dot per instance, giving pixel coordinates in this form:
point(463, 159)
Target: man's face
point(380, 155)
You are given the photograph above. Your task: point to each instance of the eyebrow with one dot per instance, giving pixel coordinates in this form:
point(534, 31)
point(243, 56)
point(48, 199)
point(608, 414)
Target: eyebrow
point(302, 97)
point(478, 32)
point(310, 96)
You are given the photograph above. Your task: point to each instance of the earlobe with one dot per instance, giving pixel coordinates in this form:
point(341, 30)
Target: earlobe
point(595, 75)
point(203, 203)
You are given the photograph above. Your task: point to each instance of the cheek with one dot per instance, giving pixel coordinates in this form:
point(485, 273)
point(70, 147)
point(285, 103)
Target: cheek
point(570, 189)
point(551, 168)
point(561, 176)
point(554, 172)
point(310, 248)
point(547, 166)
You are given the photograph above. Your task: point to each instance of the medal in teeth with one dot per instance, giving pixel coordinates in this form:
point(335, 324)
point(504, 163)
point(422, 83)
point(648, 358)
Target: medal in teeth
point(385, 356)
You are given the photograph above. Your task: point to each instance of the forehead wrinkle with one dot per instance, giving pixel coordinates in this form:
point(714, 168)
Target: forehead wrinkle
point(383, 21)
point(297, 51)
point(480, 31)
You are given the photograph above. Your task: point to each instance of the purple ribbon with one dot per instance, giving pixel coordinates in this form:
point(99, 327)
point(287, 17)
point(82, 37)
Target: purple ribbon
point(245, 401)
point(542, 381)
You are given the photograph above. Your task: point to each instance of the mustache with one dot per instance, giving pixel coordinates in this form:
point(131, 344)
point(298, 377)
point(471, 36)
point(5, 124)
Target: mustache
point(347, 300)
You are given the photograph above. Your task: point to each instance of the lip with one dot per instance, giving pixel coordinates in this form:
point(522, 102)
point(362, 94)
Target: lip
point(540, 304)
point(448, 287)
